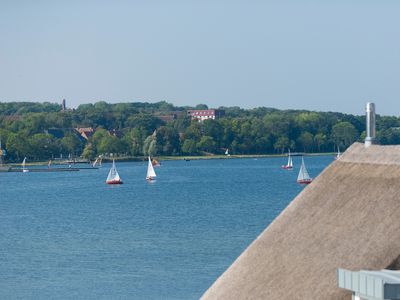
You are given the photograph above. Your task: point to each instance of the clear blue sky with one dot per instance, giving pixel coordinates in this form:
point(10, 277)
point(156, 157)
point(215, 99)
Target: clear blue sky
point(318, 55)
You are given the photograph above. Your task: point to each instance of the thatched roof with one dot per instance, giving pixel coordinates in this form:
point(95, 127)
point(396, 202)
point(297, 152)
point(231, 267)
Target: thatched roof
point(349, 217)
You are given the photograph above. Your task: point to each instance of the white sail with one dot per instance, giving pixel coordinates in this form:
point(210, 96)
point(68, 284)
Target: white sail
point(226, 152)
point(303, 173)
point(113, 174)
point(95, 162)
point(150, 170)
point(338, 153)
point(290, 161)
point(24, 169)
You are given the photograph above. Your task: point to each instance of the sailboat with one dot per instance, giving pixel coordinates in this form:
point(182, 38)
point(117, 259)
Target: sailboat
point(338, 154)
point(304, 177)
point(289, 164)
point(151, 174)
point(24, 169)
point(113, 176)
point(95, 163)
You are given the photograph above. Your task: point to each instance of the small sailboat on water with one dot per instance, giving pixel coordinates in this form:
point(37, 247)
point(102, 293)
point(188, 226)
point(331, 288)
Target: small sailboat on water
point(338, 154)
point(113, 176)
point(24, 169)
point(303, 177)
point(227, 152)
point(289, 164)
point(95, 162)
point(151, 174)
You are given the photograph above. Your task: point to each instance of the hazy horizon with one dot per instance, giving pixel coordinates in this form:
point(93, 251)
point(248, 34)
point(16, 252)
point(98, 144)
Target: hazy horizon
point(319, 56)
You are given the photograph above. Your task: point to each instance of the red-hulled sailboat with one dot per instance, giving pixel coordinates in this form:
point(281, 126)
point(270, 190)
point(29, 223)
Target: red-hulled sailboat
point(289, 164)
point(304, 177)
point(113, 176)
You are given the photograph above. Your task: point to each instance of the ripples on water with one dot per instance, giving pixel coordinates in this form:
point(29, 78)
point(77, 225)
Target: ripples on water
point(68, 235)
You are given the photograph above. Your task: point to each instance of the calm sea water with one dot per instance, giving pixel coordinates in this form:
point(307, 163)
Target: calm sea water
point(69, 235)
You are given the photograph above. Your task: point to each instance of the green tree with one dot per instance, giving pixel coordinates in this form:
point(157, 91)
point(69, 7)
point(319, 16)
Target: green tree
point(207, 144)
point(320, 139)
point(71, 144)
point(17, 146)
point(146, 121)
point(89, 151)
point(111, 144)
point(167, 139)
point(201, 106)
point(135, 139)
point(306, 140)
point(344, 134)
point(281, 144)
point(189, 147)
point(150, 146)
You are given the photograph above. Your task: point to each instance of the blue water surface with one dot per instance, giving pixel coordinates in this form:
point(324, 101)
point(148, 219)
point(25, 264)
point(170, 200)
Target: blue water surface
point(68, 235)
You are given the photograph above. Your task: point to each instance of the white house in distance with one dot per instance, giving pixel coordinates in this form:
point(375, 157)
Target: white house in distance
point(205, 114)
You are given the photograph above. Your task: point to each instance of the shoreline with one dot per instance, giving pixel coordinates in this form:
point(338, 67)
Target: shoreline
point(171, 158)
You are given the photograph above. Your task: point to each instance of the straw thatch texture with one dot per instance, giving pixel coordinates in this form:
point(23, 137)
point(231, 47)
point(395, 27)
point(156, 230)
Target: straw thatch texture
point(349, 217)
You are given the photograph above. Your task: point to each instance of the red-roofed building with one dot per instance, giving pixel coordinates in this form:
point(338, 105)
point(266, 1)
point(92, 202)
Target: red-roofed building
point(86, 133)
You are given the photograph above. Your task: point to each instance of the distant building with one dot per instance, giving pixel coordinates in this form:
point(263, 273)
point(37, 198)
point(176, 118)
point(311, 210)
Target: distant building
point(206, 114)
point(85, 132)
point(63, 105)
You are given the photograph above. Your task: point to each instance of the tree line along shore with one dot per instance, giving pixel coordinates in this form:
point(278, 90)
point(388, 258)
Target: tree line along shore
point(42, 131)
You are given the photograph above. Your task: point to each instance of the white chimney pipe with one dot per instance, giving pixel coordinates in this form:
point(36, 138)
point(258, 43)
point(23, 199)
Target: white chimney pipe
point(370, 122)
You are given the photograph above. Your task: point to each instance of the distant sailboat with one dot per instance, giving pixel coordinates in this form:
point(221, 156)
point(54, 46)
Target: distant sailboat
point(338, 154)
point(289, 164)
point(95, 163)
point(151, 174)
point(304, 177)
point(113, 176)
point(24, 169)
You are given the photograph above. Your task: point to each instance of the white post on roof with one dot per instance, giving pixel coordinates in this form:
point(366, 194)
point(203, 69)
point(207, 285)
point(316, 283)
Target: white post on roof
point(370, 122)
